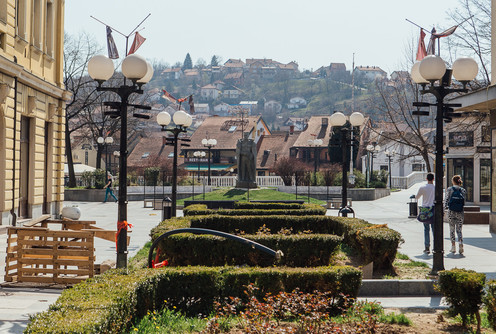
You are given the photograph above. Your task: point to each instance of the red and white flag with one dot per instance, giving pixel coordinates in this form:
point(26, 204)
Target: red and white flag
point(168, 96)
point(421, 52)
point(138, 41)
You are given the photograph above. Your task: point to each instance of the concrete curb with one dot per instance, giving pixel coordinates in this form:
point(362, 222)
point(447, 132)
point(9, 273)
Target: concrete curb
point(397, 288)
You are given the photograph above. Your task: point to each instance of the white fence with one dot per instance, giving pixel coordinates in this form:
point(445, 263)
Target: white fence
point(230, 181)
point(405, 182)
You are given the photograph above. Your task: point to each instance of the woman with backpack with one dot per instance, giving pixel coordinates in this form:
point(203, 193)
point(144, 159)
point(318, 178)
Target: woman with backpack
point(454, 203)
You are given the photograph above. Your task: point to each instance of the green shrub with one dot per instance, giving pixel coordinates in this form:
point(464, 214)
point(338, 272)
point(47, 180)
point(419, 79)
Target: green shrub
point(306, 210)
point(267, 206)
point(88, 179)
point(305, 250)
point(100, 176)
point(463, 290)
point(110, 302)
point(490, 302)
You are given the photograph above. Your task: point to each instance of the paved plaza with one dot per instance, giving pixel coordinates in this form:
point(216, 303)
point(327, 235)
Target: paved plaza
point(16, 304)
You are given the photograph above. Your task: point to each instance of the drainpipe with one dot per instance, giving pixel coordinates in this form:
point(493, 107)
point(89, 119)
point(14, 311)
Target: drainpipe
point(12, 211)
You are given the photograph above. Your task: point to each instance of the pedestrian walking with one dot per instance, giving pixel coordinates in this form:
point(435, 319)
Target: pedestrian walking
point(109, 190)
point(454, 203)
point(426, 210)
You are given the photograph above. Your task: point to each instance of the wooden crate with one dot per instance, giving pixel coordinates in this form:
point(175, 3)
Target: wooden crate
point(49, 256)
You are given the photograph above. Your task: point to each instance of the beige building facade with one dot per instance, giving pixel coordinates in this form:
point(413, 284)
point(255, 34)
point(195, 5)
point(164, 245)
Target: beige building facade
point(32, 109)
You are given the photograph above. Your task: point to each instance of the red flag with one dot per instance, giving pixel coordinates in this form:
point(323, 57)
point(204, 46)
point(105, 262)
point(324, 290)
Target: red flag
point(168, 96)
point(431, 47)
point(138, 40)
point(191, 105)
point(421, 52)
point(112, 49)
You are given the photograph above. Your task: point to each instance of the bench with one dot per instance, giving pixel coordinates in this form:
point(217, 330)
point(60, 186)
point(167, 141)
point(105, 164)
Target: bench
point(155, 203)
point(335, 203)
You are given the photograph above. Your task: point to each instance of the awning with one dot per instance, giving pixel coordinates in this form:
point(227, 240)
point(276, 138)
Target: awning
point(193, 167)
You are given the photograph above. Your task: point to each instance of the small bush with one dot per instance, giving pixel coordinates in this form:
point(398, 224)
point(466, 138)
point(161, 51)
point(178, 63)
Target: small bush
point(463, 290)
point(267, 206)
point(490, 302)
point(379, 244)
point(151, 176)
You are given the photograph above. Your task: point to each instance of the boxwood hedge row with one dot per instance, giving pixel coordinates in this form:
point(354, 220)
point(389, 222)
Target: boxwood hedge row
point(300, 250)
point(265, 210)
point(110, 302)
point(375, 243)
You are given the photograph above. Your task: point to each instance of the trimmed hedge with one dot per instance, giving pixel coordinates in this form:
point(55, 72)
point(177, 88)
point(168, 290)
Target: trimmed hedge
point(304, 250)
point(269, 206)
point(376, 243)
point(305, 210)
point(252, 224)
point(110, 302)
point(490, 302)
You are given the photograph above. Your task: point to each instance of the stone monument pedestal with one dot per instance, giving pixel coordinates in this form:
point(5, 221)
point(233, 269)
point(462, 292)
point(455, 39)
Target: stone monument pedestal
point(246, 184)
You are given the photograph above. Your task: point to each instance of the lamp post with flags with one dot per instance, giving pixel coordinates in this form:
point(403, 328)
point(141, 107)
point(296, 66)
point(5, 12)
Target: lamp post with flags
point(426, 73)
point(138, 72)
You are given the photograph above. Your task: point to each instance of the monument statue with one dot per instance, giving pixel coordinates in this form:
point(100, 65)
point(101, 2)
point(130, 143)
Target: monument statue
point(246, 155)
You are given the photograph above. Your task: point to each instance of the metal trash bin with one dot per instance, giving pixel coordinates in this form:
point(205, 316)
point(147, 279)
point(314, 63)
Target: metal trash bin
point(166, 208)
point(413, 206)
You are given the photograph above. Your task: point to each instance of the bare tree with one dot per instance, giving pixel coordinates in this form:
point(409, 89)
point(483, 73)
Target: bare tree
point(286, 168)
point(78, 50)
point(473, 35)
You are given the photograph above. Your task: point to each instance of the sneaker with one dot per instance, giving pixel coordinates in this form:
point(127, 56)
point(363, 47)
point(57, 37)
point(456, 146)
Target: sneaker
point(461, 248)
point(453, 249)
point(426, 250)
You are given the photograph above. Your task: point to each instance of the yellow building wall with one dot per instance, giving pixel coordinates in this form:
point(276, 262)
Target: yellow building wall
point(31, 54)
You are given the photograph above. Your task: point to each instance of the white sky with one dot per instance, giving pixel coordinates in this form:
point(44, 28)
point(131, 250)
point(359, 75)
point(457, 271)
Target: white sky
point(311, 32)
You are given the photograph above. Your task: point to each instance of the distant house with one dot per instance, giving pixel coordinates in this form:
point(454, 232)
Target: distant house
point(151, 151)
point(221, 109)
point(235, 78)
point(273, 147)
point(272, 107)
point(370, 73)
point(296, 103)
point(192, 74)
point(172, 73)
point(219, 84)
point(231, 92)
point(296, 123)
point(209, 92)
point(202, 108)
point(234, 65)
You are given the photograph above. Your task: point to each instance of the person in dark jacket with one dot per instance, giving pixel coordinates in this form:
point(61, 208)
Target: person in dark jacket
point(454, 201)
point(109, 190)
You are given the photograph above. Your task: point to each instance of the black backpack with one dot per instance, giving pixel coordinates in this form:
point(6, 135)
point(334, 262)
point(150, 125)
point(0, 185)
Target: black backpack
point(457, 200)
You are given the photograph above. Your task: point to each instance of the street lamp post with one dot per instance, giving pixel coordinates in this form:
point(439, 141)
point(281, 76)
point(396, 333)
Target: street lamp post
point(198, 155)
point(427, 72)
point(182, 121)
point(117, 154)
point(338, 119)
point(139, 72)
point(106, 141)
point(315, 143)
point(390, 155)
point(209, 143)
point(371, 150)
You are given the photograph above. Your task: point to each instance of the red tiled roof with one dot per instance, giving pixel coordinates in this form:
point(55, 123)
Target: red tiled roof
point(276, 144)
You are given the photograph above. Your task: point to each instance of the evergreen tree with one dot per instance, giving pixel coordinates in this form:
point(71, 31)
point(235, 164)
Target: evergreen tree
point(188, 63)
point(214, 61)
